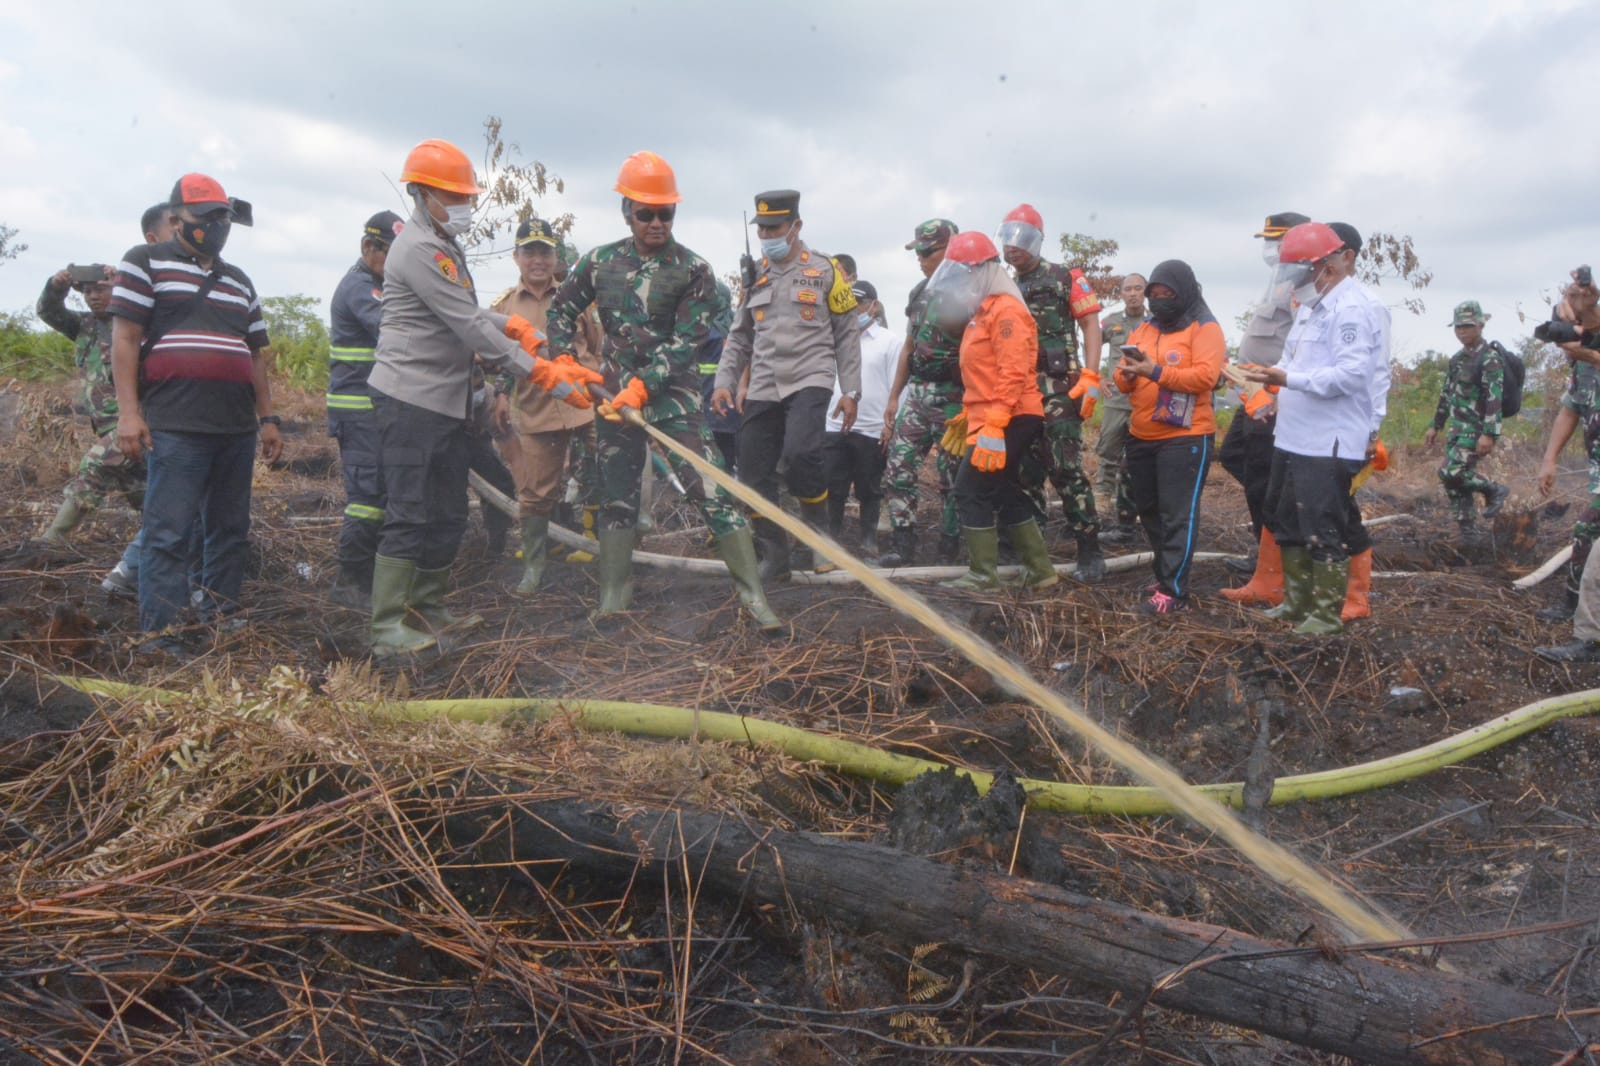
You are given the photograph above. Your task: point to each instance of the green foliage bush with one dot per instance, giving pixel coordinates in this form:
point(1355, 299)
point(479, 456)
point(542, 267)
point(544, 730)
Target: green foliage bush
point(299, 340)
point(31, 351)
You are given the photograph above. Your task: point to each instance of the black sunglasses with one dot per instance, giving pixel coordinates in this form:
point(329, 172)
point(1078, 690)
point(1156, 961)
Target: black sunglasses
point(923, 253)
point(650, 214)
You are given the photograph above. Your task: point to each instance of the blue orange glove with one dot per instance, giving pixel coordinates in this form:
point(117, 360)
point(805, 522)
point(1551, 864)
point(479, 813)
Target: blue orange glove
point(524, 333)
point(1088, 390)
point(988, 448)
point(633, 395)
point(565, 378)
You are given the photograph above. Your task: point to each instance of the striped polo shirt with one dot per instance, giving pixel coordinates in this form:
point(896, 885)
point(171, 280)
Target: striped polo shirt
point(197, 375)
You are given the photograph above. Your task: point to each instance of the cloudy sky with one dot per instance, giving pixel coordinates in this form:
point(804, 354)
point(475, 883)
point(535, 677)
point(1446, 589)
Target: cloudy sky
point(1172, 127)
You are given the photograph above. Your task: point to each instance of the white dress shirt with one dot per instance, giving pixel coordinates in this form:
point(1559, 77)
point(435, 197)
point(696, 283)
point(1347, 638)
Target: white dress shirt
point(1337, 362)
point(880, 354)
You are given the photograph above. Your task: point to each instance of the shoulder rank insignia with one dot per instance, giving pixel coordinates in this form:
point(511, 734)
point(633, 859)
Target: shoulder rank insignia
point(811, 272)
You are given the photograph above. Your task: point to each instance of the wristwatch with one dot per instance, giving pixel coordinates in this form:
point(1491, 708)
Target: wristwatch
point(856, 396)
point(269, 420)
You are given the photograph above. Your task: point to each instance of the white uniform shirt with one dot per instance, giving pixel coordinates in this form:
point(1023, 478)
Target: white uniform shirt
point(880, 354)
point(1337, 362)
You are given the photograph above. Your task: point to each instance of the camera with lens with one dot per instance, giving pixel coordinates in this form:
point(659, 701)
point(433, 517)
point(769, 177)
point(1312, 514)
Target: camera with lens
point(1557, 332)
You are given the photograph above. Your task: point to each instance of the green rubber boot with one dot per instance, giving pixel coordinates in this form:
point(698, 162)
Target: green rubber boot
point(1296, 587)
point(983, 555)
point(1328, 583)
point(1037, 570)
point(427, 601)
point(535, 552)
point(738, 550)
point(66, 520)
point(391, 584)
point(616, 572)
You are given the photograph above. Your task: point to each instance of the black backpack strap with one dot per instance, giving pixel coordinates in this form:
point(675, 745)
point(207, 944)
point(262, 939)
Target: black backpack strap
point(161, 326)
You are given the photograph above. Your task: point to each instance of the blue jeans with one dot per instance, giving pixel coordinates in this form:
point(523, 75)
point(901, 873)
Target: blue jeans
point(194, 475)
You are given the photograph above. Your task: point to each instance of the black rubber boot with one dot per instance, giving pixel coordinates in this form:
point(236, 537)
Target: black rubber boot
point(1495, 499)
point(1091, 562)
point(815, 515)
point(950, 549)
point(869, 529)
point(902, 548)
point(773, 545)
point(1562, 610)
point(1576, 651)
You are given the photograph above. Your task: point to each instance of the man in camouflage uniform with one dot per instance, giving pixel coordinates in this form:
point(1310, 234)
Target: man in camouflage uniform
point(1580, 406)
point(656, 299)
point(1058, 298)
point(1111, 480)
point(104, 468)
point(929, 375)
point(1470, 402)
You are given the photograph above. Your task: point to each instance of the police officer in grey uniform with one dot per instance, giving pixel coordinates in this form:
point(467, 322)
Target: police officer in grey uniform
point(422, 396)
point(796, 332)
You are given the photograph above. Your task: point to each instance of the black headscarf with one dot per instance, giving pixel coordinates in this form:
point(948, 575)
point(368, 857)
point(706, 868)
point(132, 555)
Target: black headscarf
point(1185, 307)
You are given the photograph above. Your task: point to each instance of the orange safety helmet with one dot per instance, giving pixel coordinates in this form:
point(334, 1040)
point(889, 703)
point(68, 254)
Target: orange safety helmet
point(646, 178)
point(971, 248)
point(441, 165)
point(1309, 242)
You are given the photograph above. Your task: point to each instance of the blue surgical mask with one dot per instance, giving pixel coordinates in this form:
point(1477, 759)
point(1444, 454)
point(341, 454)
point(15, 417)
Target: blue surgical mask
point(775, 248)
point(863, 319)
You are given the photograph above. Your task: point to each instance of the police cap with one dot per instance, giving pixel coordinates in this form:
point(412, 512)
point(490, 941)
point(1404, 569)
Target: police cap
point(776, 207)
point(1277, 225)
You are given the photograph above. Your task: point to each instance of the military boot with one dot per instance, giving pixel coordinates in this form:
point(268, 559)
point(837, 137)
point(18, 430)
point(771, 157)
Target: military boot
point(902, 550)
point(738, 550)
point(427, 601)
point(391, 585)
point(950, 548)
point(1562, 610)
point(1494, 498)
point(616, 572)
point(774, 545)
point(66, 520)
point(815, 514)
point(983, 556)
point(1037, 570)
point(535, 551)
point(1328, 584)
point(352, 588)
point(1296, 586)
point(1091, 568)
point(869, 529)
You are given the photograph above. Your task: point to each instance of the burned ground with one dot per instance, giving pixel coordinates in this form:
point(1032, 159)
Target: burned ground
point(335, 916)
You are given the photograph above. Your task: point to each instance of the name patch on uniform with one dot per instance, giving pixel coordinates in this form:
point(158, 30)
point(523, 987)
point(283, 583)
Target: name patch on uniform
point(447, 267)
point(806, 296)
point(1347, 333)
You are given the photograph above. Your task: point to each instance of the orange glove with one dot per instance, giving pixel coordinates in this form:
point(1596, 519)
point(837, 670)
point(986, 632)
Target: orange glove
point(1255, 401)
point(1088, 390)
point(1380, 457)
point(988, 448)
point(523, 332)
point(633, 395)
point(565, 378)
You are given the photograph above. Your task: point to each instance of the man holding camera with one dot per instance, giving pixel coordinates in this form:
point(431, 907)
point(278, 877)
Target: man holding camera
point(1575, 329)
point(104, 468)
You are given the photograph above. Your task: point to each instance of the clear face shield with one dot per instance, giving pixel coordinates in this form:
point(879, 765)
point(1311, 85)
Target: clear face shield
point(1286, 279)
point(1020, 235)
point(954, 292)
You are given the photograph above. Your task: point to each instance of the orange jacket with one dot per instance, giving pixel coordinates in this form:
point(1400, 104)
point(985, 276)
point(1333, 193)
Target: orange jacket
point(1191, 362)
point(998, 351)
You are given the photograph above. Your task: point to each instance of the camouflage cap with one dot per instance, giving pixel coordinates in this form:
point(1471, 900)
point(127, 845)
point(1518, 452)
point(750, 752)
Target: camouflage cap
point(932, 234)
point(1469, 313)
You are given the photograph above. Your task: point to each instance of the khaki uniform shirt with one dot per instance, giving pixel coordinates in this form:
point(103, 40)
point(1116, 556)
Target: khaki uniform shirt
point(432, 325)
point(533, 410)
point(1115, 329)
point(795, 329)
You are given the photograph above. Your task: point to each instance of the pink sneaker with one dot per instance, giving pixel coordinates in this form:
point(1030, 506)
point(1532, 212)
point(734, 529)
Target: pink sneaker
point(1160, 603)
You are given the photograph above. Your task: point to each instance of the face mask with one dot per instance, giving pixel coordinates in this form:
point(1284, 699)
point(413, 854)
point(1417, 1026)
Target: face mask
point(207, 235)
point(1307, 294)
point(775, 248)
point(1269, 253)
point(862, 319)
point(457, 219)
point(1165, 308)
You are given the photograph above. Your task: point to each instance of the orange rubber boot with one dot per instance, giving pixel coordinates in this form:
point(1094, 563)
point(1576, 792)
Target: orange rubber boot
point(1266, 584)
point(1355, 595)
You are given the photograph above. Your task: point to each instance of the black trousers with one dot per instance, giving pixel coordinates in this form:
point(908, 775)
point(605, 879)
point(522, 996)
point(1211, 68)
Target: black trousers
point(1246, 454)
point(1165, 480)
point(790, 431)
point(484, 461)
point(424, 460)
point(1311, 506)
point(982, 499)
point(359, 446)
point(853, 461)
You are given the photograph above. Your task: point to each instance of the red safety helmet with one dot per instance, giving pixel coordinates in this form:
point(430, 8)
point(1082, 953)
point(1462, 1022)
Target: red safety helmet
point(970, 248)
point(646, 178)
point(441, 165)
point(1025, 213)
point(1309, 242)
